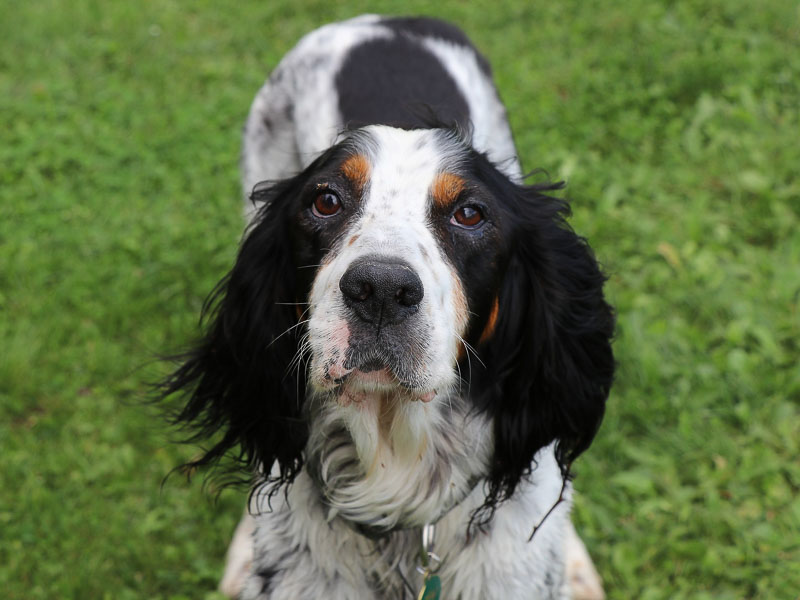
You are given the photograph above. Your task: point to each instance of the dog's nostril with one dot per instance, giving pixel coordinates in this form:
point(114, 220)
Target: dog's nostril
point(364, 293)
point(356, 285)
point(409, 295)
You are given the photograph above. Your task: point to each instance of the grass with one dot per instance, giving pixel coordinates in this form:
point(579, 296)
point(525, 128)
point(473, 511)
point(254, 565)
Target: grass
point(676, 126)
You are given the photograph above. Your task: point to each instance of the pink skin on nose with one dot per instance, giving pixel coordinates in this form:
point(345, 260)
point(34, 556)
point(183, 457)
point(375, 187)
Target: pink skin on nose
point(336, 349)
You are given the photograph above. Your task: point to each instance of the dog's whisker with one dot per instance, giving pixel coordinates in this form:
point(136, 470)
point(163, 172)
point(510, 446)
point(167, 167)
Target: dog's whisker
point(293, 327)
point(469, 349)
point(304, 347)
point(460, 378)
point(305, 312)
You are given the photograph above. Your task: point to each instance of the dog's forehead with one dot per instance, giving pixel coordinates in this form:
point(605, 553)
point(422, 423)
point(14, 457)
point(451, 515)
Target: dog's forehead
point(404, 164)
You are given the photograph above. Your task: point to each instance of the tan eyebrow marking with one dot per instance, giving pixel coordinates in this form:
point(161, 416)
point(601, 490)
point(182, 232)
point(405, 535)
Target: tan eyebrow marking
point(491, 323)
point(446, 188)
point(357, 168)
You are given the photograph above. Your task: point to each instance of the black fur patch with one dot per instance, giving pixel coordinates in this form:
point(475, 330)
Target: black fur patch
point(434, 28)
point(398, 82)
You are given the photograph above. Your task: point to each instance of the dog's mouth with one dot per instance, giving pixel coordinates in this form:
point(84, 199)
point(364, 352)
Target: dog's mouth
point(361, 376)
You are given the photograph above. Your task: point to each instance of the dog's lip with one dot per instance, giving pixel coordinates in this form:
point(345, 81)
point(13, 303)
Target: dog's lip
point(371, 376)
point(382, 380)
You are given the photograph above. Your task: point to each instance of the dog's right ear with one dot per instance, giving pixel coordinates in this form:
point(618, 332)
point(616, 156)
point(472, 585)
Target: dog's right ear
point(242, 397)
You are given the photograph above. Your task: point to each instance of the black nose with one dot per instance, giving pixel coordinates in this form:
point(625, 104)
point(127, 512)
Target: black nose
point(381, 290)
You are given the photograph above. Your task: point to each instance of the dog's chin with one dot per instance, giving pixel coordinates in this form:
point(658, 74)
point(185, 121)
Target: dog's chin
point(357, 385)
point(361, 386)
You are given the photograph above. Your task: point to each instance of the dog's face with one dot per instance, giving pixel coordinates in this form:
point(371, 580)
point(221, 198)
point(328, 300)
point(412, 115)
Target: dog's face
point(403, 236)
point(408, 321)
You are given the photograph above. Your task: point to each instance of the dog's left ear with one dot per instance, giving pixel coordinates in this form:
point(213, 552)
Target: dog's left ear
point(549, 360)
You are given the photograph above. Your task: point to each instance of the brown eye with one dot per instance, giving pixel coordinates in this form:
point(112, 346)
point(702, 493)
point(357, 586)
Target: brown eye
point(326, 204)
point(467, 216)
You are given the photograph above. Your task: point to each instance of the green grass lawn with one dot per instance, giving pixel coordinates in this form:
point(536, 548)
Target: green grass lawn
point(677, 127)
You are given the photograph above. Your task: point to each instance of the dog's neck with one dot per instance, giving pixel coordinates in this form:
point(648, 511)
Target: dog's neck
point(381, 477)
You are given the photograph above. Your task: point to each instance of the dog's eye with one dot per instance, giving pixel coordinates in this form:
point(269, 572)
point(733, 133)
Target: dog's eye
point(468, 217)
point(326, 204)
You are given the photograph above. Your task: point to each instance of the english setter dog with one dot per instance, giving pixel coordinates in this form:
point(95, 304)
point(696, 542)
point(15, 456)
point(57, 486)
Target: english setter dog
point(413, 345)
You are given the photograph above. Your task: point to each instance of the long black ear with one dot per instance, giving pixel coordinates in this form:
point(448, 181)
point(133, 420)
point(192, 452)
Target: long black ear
point(549, 361)
point(239, 393)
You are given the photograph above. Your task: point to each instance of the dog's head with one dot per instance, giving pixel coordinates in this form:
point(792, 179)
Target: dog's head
point(408, 321)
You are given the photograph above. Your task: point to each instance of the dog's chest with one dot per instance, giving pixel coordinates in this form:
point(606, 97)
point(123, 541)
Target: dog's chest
point(302, 554)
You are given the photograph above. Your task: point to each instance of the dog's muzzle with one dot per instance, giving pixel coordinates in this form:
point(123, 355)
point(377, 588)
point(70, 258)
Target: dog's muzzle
point(386, 337)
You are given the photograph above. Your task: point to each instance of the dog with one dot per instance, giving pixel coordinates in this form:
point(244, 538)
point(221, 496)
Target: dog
point(412, 346)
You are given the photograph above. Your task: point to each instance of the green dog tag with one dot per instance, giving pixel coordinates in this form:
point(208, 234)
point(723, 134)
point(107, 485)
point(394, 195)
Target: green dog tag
point(431, 589)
